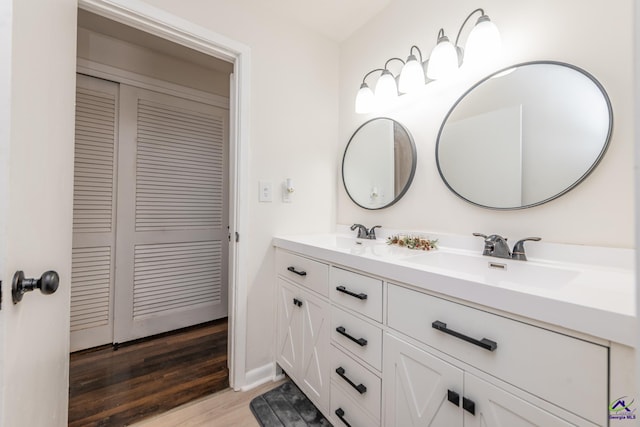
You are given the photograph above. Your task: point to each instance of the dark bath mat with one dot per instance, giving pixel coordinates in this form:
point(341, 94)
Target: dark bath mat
point(286, 406)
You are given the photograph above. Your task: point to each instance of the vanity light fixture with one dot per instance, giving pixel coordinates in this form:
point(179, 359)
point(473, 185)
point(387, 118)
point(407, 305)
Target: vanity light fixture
point(483, 45)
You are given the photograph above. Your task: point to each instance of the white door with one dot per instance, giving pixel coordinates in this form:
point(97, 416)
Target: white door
point(172, 214)
point(289, 332)
point(315, 373)
point(94, 215)
point(36, 145)
point(420, 389)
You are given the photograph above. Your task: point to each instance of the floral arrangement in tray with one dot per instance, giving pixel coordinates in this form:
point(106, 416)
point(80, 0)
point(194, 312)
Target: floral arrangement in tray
point(413, 242)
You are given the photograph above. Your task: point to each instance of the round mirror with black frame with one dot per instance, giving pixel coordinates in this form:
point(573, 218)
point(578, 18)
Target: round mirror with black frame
point(524, 135)
point(379, 163)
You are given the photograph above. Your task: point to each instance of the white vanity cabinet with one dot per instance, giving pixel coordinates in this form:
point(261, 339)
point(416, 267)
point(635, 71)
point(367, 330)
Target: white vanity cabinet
point(372, 351)
point(302, 347)
point(569, 373)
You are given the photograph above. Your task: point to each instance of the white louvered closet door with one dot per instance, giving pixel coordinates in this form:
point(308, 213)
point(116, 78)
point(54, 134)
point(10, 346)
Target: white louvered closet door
point(92, 272)
point(172, 235)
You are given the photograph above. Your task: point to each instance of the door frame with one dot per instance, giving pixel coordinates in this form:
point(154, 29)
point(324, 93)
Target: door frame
point(171, 27)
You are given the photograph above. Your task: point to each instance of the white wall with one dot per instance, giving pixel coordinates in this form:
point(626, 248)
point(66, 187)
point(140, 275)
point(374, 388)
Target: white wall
point(596, 35)
point(38, 210)
point(293, 134)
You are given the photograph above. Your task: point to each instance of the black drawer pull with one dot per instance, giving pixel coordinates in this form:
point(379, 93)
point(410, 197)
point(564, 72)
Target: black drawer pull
point(297, 302)
point(469, 405)
point(299, 273)
point(484, 343)
point(453, 397)
point(360, 341)
point(360, 388)
point(348, 292)
point(340, 414)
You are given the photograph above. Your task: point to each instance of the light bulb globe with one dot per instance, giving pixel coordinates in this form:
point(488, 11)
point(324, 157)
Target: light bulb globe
point(411, 76)
point(443, 60)
point(386, 89)
point(365, 99)
point(484, 43)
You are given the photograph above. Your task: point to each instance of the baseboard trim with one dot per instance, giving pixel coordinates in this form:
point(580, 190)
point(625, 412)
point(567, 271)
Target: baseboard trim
point(260, 375)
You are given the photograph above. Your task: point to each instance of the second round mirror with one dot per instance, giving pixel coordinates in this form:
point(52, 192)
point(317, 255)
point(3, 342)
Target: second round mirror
point(525, 135)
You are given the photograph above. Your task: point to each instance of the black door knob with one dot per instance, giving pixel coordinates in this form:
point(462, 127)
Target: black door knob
point(47, 283)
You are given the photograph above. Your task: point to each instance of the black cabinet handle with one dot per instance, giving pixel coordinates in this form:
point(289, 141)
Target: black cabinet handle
point(484, 343)
point(340, 414)
point(360, 341)
point(453, 397)
point(469, 405)
point(299, 273)
point(353, 294)
point(297, 302)
point(360, 388)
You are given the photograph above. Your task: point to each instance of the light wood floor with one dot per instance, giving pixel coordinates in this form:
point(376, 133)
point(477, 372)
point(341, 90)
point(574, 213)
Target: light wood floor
point(223, 409)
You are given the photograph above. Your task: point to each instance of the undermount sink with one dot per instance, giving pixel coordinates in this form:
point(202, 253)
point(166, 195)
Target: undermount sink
point(497, 270)
point(353, 245)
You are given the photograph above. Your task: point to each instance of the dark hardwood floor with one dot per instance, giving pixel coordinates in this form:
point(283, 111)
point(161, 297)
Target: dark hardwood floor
point(147, 377)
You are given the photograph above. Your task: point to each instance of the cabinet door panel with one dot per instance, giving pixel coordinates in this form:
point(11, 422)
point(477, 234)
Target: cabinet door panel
point(289, 329)
point(416, 386)
point(495, 407)
point(315, 350)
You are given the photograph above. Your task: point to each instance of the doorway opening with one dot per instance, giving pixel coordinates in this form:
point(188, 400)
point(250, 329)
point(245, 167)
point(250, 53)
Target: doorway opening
point(181, 53)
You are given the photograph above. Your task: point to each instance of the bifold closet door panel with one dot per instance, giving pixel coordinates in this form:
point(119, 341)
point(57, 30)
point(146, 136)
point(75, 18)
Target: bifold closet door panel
point(94, 200)
point(172, 236)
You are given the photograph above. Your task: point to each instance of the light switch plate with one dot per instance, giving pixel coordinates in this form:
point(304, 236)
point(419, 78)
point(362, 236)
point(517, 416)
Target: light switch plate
point(266, 191)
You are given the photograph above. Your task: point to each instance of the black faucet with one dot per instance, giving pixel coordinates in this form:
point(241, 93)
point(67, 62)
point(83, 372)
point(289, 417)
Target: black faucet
point(497, 246)
point(363, 233)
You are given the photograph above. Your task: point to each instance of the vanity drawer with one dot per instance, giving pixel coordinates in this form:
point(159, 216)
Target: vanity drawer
point(356, 292)
point(357, 336)
point(566, 371)
point(345, 411)
point(365, 386)
point(311, 274)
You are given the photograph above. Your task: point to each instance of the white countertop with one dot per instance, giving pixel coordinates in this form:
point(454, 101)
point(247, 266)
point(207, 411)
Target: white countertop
point(597, 299)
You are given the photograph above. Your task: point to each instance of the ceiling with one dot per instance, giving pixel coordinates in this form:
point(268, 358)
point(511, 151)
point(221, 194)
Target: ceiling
point(336, 19)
